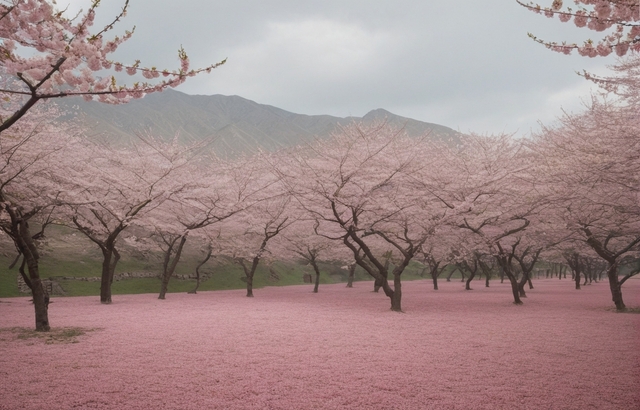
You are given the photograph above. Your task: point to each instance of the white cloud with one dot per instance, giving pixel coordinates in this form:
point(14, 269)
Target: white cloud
point(464, 64)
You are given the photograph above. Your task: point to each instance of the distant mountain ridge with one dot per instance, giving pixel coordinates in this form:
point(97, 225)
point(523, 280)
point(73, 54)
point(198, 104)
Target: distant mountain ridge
point(235, 123)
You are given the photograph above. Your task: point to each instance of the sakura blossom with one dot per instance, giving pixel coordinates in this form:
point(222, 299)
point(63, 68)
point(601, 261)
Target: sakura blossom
point(52, 54)
point(619, 18)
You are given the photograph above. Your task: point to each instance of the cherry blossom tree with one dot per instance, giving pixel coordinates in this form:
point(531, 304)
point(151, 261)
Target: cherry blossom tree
point(247, 236)
point(356, 186)
point(490, 188)
point(111, 188)
point(208, 251)
point(487, 264)
point(527, 260)
point(206, 197)
point(52, 55)
point(252, 230)
point(590, 165)
point(31, 158)
point(45, 55)
point(438, 252)
point(618, 20)
point(467, 257)
point(300, 241)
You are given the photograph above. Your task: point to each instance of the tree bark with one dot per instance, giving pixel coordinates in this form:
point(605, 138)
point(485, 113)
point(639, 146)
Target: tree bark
point(249, 271)
point(25, 277)
point(523, 281)
point(614, 285)
point(576, 264)
point(39, 293)
point(317, 271)
point(250, 286)
point(514, 288)
point(352, 273)
point(469, 279)
point(170, 265)
point(23, 240)
point(111, 256)
point(396, 299)
point(377, 284)
point(206, 258)
point(472, 273)
point(504, 260)
point(434, 270)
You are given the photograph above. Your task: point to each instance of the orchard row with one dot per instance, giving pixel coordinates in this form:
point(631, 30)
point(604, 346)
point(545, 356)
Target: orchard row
point(366, 195)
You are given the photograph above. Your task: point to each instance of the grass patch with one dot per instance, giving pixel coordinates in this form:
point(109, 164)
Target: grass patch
point(66, 253)
point(61, 335)
point(8, 279)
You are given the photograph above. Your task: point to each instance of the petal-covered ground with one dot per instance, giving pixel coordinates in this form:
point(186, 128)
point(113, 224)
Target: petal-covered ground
point(342, 348)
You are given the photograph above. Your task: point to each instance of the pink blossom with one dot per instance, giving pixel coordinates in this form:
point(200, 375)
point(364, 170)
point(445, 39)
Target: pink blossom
point(603, 49)
point(621, 49)
point(581, 19)
point(564, 17)
point(288, 348)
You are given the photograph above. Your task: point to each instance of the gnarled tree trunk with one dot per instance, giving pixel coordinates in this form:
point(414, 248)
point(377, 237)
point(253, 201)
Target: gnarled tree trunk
point(110, 258)
point(317, 271)
point(352, 273)
point(169, 265)
point(206, 258)
point(18, 230)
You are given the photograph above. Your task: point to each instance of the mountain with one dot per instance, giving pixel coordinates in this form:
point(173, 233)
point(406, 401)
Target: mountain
point(234, 123)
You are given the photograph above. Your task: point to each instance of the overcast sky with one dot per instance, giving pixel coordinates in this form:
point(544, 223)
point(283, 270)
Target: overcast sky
point(465, 64)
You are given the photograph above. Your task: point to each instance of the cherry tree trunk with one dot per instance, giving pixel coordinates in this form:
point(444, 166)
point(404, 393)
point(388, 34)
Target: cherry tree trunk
point(523, 281)
point(469, 279)
point(487, 273)
point(352, 273)
point(614, 285)
point(249, 285)
point(576, 277)
point(23, 240)
point(317, 271)
point(40, 304)
point(249, 271)
point(39, 293)
point(110, 259)
point(505, 269)
point(396, 297)
point(169, 268)
point(434, 276)
point(206, 258)
point(377, 284)
point(515, 288)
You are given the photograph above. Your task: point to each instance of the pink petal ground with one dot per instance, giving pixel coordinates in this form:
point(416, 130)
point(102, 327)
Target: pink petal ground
point(288, 348)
